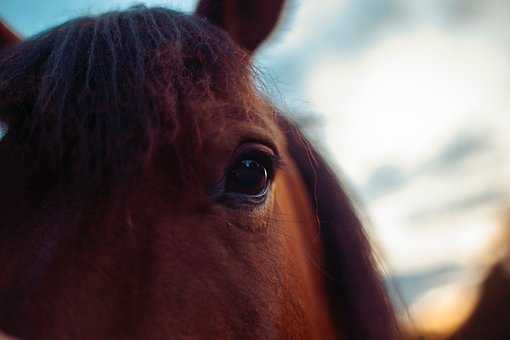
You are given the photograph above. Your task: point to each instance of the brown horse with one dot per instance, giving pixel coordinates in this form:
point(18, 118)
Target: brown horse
point(149, 191)
point(490, 316)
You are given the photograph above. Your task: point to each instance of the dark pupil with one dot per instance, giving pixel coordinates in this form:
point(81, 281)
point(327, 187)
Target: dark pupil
point(247, 177)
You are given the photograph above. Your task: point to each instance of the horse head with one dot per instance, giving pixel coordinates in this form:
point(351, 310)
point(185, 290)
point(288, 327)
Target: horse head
point(149, 189)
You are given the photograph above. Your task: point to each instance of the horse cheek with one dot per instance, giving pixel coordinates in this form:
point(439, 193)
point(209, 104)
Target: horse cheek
point(306, 302)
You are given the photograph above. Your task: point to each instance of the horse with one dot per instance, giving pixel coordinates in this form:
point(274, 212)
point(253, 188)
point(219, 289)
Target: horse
point(489, 318)
point(151, 191)
point(491, 315)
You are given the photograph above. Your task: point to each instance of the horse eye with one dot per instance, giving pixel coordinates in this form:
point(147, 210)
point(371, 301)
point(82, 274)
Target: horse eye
point(247, 177)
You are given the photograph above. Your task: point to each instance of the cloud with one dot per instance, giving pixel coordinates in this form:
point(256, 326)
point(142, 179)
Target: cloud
point(461, 205)
point(411, 286)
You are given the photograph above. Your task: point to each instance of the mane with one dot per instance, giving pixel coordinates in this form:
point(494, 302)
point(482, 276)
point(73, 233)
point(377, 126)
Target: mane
point(358, 300)
point(91, 101)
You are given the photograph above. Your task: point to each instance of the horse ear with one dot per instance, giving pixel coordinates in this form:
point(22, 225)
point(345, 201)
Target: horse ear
point(355, 289)
point(249, 22)
point(7, 36)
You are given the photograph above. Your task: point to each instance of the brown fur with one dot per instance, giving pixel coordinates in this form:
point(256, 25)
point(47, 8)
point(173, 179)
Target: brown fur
point(119, 125)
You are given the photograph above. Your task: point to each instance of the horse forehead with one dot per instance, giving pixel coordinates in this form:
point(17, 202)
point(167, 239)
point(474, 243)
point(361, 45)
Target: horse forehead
point(235, 131)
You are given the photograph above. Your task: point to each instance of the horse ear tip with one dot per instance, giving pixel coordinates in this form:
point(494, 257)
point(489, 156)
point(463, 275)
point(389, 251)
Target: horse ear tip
point(248, 22)
point(8, 36)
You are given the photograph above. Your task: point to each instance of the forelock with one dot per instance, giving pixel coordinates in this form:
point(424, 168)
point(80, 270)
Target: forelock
point(94, 97)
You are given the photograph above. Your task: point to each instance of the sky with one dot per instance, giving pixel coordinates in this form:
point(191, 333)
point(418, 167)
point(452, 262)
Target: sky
point(408, 99)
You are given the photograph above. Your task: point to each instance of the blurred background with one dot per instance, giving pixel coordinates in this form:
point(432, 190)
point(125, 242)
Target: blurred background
point(410, 100)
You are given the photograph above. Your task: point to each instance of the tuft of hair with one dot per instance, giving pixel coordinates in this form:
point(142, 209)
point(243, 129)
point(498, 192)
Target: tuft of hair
point(93, 99)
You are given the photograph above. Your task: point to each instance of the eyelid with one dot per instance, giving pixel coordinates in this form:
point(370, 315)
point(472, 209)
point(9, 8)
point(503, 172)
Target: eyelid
point(263, 142)
point(245, 147)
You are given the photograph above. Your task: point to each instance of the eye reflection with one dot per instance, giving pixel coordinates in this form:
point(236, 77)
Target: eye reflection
point(247, 177)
